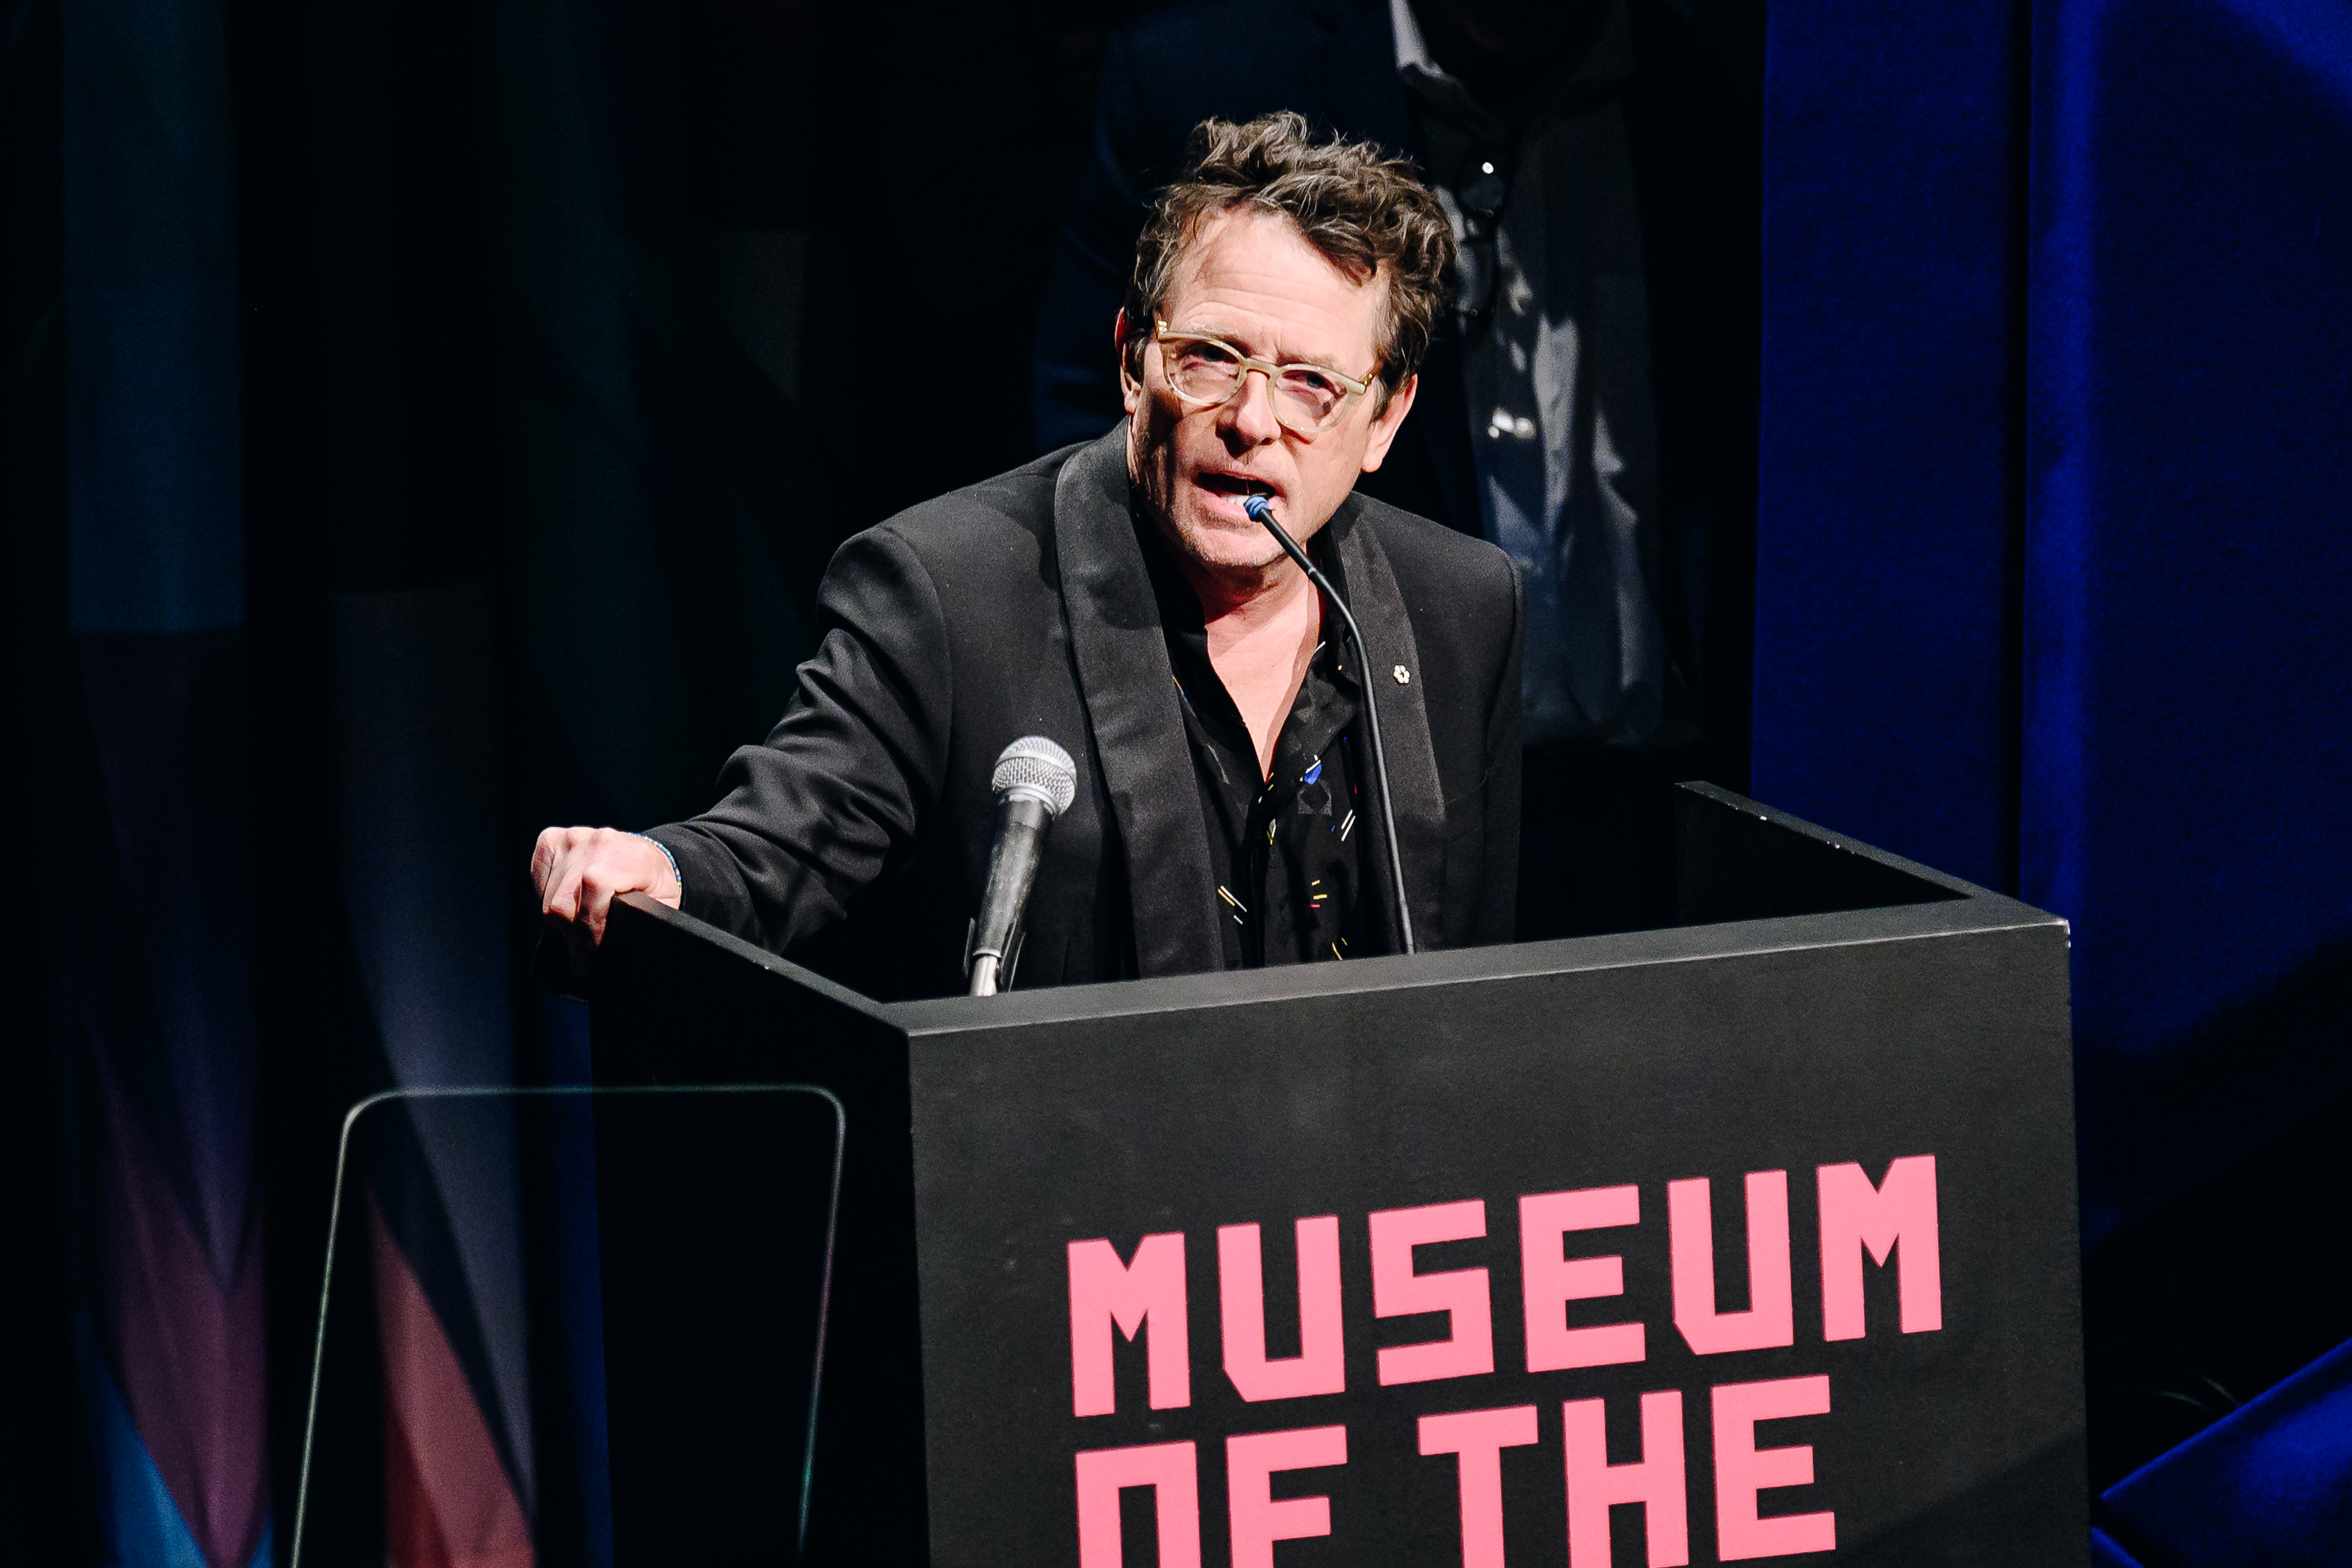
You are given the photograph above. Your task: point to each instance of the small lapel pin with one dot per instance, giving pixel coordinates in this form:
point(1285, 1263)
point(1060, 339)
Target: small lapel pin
point(1403, 676)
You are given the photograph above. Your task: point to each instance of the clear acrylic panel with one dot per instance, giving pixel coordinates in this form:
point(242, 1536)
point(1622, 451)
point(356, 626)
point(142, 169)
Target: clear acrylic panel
point(572, 1325)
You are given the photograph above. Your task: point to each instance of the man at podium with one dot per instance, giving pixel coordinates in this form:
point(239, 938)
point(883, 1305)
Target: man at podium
point(1118, 599)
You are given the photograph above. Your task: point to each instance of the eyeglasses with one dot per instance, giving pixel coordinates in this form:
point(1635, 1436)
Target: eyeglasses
point(1308, 399)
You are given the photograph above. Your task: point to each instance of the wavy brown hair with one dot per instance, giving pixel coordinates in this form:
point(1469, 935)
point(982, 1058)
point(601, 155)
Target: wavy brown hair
point(1366, 212)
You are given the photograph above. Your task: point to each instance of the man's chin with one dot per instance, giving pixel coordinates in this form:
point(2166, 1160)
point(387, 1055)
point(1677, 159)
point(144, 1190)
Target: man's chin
point(1225, 546)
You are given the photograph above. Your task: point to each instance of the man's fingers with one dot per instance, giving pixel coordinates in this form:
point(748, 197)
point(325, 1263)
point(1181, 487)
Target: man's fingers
point(558, 886)
point(547, 858)
point(581, 871)
point(595, 900)
point(550, 870)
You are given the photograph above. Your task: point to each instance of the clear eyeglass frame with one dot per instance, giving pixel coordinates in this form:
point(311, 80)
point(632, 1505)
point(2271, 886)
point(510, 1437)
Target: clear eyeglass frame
point(1351, 387)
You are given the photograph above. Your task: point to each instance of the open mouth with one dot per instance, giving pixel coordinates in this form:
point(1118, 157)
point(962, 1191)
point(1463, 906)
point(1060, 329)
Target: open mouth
point(1236, 485)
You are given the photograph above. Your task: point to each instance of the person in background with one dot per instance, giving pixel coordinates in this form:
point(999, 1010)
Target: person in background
point(1587, 403)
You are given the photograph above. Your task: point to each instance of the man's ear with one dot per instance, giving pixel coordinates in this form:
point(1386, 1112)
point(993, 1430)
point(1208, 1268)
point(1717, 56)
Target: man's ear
point(1388, 422)
point(1130, 389)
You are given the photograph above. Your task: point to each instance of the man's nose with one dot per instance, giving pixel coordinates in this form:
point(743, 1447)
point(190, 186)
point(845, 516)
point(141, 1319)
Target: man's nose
point(1249, 413)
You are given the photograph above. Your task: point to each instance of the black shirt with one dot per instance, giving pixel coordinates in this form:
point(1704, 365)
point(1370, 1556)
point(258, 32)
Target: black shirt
point(1287, 852)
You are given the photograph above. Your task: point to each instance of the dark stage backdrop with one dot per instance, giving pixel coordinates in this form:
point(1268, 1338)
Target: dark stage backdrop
point(2054, 585)
point(426, 421)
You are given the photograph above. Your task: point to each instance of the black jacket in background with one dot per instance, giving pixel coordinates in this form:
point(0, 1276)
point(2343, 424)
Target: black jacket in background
point(1694, 116)
point(856, 839)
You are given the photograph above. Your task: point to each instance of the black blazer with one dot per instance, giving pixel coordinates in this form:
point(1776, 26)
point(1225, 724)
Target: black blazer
point(857, 837)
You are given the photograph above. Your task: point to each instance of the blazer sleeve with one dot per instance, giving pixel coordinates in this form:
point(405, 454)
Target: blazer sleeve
point(1498, 908)
point(832, 799)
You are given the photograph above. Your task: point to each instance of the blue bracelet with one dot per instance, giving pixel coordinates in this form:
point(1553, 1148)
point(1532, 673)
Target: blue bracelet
point(668, 856)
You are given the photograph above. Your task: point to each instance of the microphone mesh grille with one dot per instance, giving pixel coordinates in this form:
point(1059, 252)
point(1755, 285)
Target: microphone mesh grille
point(1037, 762)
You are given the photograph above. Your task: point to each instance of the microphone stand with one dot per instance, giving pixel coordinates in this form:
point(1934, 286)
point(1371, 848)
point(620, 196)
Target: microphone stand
point(1262, 511)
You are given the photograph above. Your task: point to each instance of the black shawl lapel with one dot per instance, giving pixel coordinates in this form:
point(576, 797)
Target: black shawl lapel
point(1130, 692)
point(1374, 594)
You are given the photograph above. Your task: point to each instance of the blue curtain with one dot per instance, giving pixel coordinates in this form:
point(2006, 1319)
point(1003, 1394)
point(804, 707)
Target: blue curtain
point(2053, 565)
point(1885, 646)
point(2054, 556)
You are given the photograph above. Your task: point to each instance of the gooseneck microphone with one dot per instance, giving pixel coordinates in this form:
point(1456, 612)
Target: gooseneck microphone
point(1261, 512)
point(1034, 782)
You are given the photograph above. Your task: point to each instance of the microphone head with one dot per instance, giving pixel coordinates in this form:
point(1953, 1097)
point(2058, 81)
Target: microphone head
point(1038, 769)
point(1258, 507)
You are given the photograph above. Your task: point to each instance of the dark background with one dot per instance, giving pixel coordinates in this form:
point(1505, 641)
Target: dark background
point(611, 318)
point(617, 317)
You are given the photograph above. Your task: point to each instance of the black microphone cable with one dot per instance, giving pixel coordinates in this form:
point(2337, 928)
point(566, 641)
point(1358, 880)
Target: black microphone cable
point(1261, 510)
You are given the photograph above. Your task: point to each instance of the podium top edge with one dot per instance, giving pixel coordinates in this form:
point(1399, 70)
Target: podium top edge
point(1844, 843)
point(1989, 914)
point(1965, 910)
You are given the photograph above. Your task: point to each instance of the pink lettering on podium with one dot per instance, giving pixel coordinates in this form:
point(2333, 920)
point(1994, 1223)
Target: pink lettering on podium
point(1549, 1280)
point(1320, 1366)
point(1654, 1482)
point(1856, 1215)
point(1144, 1296)
point(1478, 1438)
point(1257, 1520)
point(1771, 1318)
point(1171, 1470)
point(1397, 1292)
point(1742, 1470)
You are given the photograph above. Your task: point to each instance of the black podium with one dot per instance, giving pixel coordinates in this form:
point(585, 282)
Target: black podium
point(1753, 1236)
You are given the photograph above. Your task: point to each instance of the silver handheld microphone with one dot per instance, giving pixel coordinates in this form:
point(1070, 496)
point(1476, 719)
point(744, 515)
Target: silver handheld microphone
point(1034, 782)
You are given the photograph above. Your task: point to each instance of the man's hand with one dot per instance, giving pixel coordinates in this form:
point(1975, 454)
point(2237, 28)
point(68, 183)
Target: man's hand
point(579, 870)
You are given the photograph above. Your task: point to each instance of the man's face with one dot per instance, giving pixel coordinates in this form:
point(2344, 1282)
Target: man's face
point(1250, 279)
